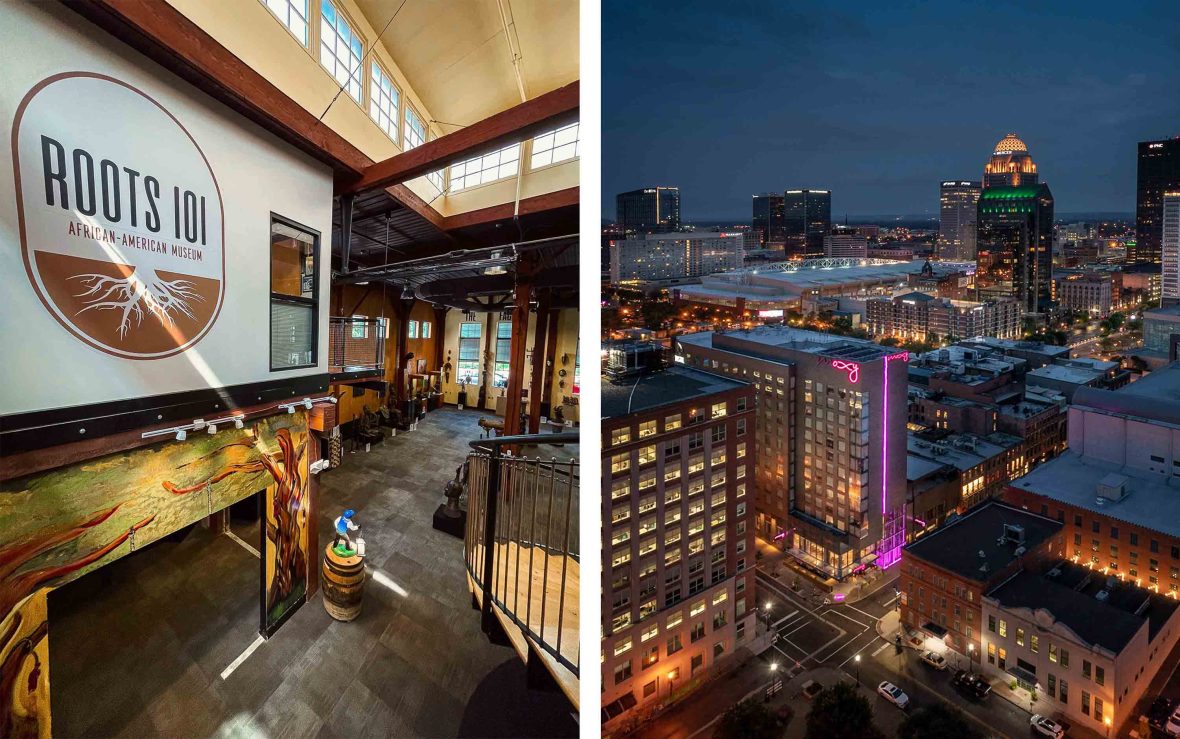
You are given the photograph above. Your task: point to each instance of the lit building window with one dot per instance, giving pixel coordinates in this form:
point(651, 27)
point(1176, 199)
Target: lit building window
point(487, 168)
point(467, 369)
point(292, 14)
point(341, 50)
point(383, 101)
point(503, 354)
point(555, 146)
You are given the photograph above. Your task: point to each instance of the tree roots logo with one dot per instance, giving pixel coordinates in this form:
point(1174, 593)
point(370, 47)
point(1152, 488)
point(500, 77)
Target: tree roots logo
point(121, 218)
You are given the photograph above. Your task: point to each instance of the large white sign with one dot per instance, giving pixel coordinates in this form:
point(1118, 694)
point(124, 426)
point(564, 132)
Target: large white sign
point(120, 217)
point(135, 228)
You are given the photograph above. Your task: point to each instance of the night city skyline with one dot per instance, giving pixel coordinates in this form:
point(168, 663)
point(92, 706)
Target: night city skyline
point(879, 104)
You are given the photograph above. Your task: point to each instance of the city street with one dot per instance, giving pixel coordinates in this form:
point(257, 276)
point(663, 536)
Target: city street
point(813, 632)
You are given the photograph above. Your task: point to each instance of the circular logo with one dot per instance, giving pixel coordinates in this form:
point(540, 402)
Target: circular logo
point(120, 216)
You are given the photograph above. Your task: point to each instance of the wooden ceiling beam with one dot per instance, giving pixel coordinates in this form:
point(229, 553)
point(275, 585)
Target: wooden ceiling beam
point(505, 211)
point(542, 113)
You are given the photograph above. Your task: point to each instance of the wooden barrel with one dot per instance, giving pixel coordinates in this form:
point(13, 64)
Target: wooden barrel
point(343, 585)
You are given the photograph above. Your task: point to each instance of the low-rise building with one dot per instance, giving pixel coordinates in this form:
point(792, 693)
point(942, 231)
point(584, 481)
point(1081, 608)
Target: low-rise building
point(1089, 292)
point(983, 465)
point(668, 258)
point(945, 573)
point(1088, 642)
point(919, 316)
point(678, 534)
point(1067, 375)
point(846, 244)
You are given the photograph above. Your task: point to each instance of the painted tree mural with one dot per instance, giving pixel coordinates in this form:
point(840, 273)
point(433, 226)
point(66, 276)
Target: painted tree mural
point(58, 525)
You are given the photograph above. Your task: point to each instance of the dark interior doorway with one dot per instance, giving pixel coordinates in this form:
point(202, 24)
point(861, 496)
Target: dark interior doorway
point(136, 645)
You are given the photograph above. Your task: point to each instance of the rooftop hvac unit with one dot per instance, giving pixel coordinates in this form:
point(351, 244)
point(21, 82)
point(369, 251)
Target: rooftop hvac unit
point(1014, 533)
point(1113, 488)
point(1102, 595)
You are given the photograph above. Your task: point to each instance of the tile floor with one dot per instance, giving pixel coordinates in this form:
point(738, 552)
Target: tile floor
point(137, 648)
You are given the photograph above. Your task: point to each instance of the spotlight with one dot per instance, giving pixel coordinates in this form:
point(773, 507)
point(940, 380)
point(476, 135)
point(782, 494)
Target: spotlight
point(307, 403)
point(333, 399)
point(290, 409)
point(211, 428)
point(238, 423)
point(181, 434)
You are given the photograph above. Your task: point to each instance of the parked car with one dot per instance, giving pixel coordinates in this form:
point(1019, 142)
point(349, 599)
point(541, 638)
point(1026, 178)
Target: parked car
point(1173, 724)
point(935, 660)
point(1157, 715)
point(893, 694)
point(971, 685)
point(1045, 726)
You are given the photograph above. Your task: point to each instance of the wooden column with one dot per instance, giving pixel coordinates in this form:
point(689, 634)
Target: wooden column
point(487, 357)
point(550, 363)
point(401, 314)
point(538, 373)
point(525, 267)
point(440, 335)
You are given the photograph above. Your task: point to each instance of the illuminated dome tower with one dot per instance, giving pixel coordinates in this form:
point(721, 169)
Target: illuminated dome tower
point(1011, 164)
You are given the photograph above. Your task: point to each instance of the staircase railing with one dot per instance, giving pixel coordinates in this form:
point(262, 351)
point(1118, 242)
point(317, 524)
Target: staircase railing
point(522, 544)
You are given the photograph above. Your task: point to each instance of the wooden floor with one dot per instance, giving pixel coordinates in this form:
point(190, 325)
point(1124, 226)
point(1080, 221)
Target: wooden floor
point(533, 593)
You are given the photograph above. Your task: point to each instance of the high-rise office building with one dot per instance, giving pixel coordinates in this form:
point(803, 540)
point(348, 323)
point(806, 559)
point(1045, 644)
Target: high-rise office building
point(1159, 171)
point(675, 256)
point(768, 219)
point(678, 535)
point(1010, 165)
point(1170, 248)
point(807, 218)
point(830, 472)
point(1015, 228)
point(649, 210)
point(958, 202)
point(845, 242)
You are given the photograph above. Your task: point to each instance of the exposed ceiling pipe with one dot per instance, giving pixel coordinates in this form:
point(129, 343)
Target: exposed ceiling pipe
point(513, 46)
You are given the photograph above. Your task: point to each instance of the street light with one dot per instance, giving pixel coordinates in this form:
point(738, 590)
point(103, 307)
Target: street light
point(1107, 722)
point(856, 659)
point(970, 655)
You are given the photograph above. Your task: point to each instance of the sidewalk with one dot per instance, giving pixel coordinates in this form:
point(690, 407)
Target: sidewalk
point(785, 570)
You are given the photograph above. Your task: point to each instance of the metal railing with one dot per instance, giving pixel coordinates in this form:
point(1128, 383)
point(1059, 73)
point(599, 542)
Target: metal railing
point(522, 545)
point(355, 344)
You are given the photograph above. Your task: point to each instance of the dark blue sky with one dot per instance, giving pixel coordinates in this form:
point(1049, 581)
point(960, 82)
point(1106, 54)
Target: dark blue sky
point(879, 101)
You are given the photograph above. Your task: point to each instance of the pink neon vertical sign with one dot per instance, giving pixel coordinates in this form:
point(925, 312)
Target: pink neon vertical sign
point(891, 556)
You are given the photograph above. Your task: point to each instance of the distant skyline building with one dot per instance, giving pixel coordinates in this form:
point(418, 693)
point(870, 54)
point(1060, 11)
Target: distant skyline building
point(807, 218)
point(1170, 249)
point(1158, 171)
point(846, 243)
point(1015, 228)
point(830, 473)
point(649, 210)
point(958, 202)
point(922, 317)
point(1010, 164)
point(768, 219)
point(672, 257)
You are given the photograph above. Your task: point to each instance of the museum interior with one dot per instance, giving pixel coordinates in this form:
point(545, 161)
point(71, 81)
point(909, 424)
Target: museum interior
point(297, 451)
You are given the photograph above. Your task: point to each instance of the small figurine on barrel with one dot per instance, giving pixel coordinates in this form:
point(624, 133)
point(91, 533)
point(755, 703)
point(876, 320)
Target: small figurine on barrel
point(347, 547)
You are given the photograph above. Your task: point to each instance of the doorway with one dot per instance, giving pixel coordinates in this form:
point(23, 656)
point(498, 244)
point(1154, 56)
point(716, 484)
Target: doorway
point(139, 645)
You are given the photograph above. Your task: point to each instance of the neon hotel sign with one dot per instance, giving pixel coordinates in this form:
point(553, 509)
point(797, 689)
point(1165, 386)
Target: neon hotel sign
point(853, 369)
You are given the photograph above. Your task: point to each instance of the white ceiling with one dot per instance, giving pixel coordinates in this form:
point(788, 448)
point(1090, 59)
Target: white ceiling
point(457, 59)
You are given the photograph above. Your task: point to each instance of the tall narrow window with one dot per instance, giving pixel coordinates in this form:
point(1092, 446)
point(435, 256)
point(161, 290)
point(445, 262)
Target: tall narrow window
point(503, 354)
point(415, 129)
point(412, 330)
point(341, 50)
point(292, 14)
point(383, 101)
point(467, 370)
point(487, 168)
point(555, 146)
point(426, 329)
point(294, 292)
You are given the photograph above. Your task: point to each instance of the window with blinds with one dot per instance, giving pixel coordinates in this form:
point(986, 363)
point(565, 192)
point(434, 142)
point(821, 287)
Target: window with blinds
point(294, 295)
point(467, 369)
point(503, 354)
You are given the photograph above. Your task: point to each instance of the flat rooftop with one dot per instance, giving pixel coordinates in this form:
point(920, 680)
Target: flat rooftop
point(962, 451)
point(742, 341)
point(672, 385)
point(1050, 350)
point(1064, 373)
point(968, 545)
point(1071, 593)
point(1152, 501)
